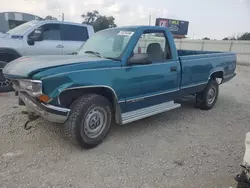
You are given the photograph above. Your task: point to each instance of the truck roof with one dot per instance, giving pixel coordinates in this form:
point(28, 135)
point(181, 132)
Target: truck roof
point(61, 22)
point(140, 26)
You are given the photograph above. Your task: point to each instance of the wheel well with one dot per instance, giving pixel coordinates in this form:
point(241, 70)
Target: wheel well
point(218, 74)
point(8, 55)
point(67, 97)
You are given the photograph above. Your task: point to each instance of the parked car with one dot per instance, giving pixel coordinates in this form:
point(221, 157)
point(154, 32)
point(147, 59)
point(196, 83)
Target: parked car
point(109, 79)
point(47, 37)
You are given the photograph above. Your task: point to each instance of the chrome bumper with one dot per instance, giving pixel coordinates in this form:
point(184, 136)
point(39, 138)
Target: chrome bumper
point(51, 113)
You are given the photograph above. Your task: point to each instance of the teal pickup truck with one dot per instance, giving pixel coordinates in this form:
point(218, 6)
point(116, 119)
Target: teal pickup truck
point(122, 74)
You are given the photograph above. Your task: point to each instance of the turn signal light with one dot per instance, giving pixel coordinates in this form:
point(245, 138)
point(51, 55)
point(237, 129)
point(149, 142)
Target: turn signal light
point(44, 98)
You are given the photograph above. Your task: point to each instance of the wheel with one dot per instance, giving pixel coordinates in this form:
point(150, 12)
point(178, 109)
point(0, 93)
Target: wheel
point(206, 99)
point(242, 180)
point(243, 185)
point(89, 120)
point(5, 85)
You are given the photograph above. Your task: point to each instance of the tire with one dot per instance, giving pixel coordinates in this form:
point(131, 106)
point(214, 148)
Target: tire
point(89, 120)
point(242, 180)
point(5, 85)
point(206, 99)
point(243, 185)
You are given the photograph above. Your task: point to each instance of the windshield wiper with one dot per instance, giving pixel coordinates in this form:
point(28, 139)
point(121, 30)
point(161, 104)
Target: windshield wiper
point(112, 58)
point(96, 53)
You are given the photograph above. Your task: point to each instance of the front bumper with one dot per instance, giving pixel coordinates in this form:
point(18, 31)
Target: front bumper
point(51, 113)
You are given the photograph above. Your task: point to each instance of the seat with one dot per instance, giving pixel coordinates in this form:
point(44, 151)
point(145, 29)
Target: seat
point(155, 52)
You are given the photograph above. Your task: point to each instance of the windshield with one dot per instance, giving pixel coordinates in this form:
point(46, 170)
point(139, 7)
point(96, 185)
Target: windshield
point(108, 43)
point(21, 29)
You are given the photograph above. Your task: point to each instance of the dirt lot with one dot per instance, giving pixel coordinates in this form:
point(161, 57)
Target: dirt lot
point(182, 148)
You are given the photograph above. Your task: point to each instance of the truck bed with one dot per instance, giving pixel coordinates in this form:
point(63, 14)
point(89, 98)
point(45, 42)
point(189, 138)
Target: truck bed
point(197, 66)
point(194, 52)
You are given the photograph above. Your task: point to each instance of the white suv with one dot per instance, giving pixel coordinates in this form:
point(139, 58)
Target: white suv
point(47, 37)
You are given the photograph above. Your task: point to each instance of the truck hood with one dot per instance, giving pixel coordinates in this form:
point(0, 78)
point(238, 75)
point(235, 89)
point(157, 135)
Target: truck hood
point(10, 41)
point(25, 66)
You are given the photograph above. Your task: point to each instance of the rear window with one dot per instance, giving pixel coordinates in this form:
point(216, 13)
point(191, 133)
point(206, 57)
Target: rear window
point(74, 33)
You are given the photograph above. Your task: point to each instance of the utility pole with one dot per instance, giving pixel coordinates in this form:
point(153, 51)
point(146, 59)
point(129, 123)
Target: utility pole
point(63, 17)
point(149, 21)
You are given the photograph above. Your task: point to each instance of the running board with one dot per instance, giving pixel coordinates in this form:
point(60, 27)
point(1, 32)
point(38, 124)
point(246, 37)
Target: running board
point(129, 117)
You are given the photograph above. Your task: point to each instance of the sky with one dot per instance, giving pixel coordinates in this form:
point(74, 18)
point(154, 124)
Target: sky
point(215, 19)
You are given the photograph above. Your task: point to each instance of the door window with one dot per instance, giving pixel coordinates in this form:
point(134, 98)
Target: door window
point(74, 33)
point(51, 32)
point(155, 45)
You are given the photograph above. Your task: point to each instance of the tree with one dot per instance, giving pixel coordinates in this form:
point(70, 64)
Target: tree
point(245, 36)
point(226, 38)
point(90, 17)
point(49, 17)
point(104, 22)
point(99, 22)
point(206, 38)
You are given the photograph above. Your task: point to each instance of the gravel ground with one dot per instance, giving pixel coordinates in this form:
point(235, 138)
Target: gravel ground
point(186, 147)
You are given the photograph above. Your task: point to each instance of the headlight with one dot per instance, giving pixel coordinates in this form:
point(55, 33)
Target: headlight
point(33, 87)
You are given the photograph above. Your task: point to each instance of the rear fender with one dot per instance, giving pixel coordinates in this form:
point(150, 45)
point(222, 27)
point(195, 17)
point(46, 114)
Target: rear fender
point(218, 73)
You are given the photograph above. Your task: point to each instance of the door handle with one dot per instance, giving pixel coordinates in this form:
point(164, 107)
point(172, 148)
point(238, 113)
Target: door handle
point(60, 46)
point(173, 69)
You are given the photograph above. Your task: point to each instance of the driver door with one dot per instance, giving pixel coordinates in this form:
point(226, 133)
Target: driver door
point(51, 43)
point(154, 83)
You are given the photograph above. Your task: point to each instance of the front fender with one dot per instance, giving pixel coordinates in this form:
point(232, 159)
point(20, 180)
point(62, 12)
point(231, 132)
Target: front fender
point(55, 85)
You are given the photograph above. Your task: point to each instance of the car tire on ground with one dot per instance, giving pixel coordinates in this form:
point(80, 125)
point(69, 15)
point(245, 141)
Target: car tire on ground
point(206, 99)
point(5, 85)
point(89, 120)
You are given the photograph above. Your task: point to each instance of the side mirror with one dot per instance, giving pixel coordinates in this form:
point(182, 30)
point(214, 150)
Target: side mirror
point(36, 35)
point(139, 59)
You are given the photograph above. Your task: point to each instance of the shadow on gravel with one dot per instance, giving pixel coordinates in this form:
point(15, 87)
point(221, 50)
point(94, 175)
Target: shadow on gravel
point(158, 120)
point(52, 133)
point(170, 119)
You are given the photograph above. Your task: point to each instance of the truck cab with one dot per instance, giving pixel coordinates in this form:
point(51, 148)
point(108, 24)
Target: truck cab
point(123, 74)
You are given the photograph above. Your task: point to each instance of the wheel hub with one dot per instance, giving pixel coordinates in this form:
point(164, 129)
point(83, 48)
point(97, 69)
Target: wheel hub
point(94, 122)
point(211, 95)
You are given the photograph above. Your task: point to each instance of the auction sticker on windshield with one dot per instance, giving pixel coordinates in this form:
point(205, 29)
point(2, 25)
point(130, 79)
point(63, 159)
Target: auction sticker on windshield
point(126, 33)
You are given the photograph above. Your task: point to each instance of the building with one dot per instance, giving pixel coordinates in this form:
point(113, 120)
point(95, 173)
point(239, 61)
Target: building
point(9, 20)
